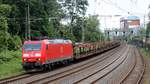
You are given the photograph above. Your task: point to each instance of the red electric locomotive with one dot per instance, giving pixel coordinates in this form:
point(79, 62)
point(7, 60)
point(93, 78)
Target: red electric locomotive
point(42, 54)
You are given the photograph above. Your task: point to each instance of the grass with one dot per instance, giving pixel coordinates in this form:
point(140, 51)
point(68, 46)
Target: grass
point(146, 54)
point(10, 63)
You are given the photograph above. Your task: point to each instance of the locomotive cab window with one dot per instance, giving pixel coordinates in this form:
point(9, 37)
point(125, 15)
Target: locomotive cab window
point(28, 47)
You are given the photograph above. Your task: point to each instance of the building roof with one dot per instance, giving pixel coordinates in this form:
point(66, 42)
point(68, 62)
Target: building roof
point(132, 17)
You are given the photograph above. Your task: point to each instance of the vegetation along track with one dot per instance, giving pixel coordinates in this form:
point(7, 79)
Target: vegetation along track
point(59, 76)
point(42, 76)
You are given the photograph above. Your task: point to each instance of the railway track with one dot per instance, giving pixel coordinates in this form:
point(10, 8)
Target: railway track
point(20, 78)
point(117, 73)
point(89, 79)
point(65, 74)
point(130, 72)
point(134, 76)
point(17, 77)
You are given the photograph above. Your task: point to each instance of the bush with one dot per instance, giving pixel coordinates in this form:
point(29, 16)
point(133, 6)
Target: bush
point(3, 40)
point(7, 56)
point(10, 63)
point(14, 43)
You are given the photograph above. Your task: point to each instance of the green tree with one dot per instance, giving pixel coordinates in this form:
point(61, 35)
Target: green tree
point(43, 13)
point(91, 29)
point(142, 33)
point(46, 16)
point(74, 9)
point(93, 32)
point(4, 35)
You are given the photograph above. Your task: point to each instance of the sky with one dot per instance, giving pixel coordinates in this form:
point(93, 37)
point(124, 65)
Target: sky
point(108, 9)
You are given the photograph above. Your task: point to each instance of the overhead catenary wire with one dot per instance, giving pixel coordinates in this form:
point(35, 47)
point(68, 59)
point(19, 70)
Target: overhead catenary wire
point(95, 1)
point(115, 5)
point(133, 5)
point(126, 11)
point(134, 2)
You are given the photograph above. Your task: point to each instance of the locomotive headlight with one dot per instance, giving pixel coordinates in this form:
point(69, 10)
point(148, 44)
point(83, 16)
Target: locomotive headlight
point(37, 54)
point(25, 59)
point(39, 59)
point(25, 55)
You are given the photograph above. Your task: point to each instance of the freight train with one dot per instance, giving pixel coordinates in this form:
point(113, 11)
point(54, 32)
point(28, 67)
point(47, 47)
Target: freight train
point(44, 54)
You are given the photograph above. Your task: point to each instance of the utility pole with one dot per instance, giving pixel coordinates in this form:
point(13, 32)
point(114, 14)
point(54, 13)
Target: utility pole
point(105, 27)
point(28, 20)
point(144, 43)
point(147, 32)
point(83, 34)
point(149, 13)
point(26, 24)
point(73, 9)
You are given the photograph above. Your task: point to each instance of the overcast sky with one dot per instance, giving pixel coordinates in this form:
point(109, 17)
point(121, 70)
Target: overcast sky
point(117, 7)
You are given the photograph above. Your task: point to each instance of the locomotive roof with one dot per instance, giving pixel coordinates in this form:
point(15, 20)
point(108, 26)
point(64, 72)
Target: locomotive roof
point(32, 42)
point(57, 41)
point(53, 41)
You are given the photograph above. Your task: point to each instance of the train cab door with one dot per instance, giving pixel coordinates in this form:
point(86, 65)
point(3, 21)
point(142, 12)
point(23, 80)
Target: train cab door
point(47, 52)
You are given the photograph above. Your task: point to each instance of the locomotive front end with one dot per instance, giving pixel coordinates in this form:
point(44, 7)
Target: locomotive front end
point(32, 55)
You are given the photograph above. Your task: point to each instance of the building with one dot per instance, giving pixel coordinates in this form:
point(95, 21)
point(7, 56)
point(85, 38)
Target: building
point(130, 25)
